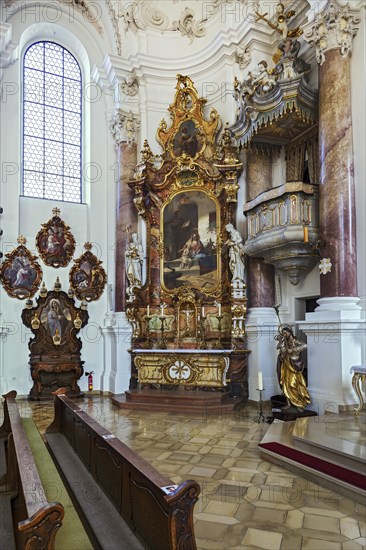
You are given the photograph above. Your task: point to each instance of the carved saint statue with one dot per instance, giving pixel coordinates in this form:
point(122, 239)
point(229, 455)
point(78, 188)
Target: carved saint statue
point(236, 253)
point(290, 368)
point(134, 258)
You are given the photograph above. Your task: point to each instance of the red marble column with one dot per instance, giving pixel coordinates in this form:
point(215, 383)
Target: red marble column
point(260, 276)
point(126, 216)
point(337, 193)
point(260, 283)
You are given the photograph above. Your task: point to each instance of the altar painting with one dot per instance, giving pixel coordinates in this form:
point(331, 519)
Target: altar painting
point(190, 246)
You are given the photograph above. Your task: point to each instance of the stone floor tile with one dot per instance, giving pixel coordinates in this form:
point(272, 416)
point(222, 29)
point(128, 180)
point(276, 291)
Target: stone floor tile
point(361, 541)
point(294, 519)
point(318, 544)
point(322, 512)
point(210, 531)
point(234, 536)
point(205, 544)
point(215, 518)
point(349, 528)
point(267, 540)
point(322, 523)
point(221, 508)
point(269, 515)
point(352, 545)
point(291, 541)
point(202, 472)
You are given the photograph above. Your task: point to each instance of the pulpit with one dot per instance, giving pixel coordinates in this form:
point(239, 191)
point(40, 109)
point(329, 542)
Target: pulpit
point(188, 341)
point(55, 350)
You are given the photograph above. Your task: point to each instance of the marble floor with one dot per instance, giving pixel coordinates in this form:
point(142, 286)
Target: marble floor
point(245, 502)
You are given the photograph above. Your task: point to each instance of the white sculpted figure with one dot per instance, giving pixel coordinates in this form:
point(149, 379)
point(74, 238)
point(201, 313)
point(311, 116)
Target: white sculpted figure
point(134, 258)
point(236, 253)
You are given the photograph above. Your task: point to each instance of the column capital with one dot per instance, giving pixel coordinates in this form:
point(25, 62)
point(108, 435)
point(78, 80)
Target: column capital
point(124, 127)
point(333, 28)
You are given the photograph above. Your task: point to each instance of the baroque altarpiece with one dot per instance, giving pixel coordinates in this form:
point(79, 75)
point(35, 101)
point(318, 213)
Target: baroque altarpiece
point(188, 318)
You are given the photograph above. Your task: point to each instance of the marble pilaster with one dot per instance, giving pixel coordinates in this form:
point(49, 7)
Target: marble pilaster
point(260, 283)
point(124, 128)
point(335, 330)
point(337, 192)
point(260, 279)
point(261, 322)
point(332, 34)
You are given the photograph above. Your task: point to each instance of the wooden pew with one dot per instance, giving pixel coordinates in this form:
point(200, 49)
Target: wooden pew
point(158, 513)
point(23, 501)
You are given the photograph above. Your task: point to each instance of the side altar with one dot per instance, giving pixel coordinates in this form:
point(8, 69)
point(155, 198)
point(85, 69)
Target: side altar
point(188, 344)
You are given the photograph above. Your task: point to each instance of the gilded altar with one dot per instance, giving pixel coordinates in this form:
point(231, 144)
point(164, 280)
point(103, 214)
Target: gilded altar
point(188, 316)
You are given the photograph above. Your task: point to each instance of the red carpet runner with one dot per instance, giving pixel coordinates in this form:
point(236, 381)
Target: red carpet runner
point(353, 478)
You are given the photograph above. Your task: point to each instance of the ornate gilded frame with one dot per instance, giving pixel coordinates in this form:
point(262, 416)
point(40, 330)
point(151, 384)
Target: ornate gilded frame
point(87, 276)
point(187, 260)
point(55, 243)
point(20, 273)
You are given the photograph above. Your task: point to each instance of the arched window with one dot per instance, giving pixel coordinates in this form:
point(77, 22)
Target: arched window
point(52, 134)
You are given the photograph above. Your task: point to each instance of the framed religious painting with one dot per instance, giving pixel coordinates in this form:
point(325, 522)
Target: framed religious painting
point(87, 276)
point(190, 222)
point(20, 273)
point(55, 243)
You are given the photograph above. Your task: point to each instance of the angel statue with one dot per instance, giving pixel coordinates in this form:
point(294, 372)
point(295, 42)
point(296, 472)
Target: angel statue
point(236, 253)
point(133, 258)
point(280, 22)
point(290, 368)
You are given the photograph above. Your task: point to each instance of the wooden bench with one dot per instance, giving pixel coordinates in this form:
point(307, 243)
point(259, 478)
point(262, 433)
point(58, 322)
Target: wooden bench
point(28, 520)
point(124, 500)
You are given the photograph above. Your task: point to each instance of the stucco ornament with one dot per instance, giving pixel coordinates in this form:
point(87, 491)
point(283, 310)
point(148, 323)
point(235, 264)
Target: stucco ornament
point(243, 56)
point(325, 266)
point(124, 127)
point(334, 28)
point(131, 86)
point(188, 26)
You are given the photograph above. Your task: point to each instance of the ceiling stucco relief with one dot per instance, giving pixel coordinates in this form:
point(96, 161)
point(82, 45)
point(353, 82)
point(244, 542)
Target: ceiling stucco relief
point(189, 22)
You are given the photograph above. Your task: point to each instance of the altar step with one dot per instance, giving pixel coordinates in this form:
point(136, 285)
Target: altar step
point(177, 401)
point(328, 450)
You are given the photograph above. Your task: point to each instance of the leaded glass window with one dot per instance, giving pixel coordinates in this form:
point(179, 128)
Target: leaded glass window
point(52, 104)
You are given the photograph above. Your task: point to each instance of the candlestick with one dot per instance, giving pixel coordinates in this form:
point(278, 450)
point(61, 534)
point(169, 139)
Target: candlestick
point(219, 309)
point(260, 381)
point(306, 234)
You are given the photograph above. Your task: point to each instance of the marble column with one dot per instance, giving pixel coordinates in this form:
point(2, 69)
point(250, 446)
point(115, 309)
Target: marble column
point(335, 330)
point(260, 279)
point(261, 323)
point(124, 128)
point(332, 33)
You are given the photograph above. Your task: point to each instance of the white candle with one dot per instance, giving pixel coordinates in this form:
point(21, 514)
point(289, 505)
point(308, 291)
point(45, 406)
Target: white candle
point(148, 310)
point(219, 309)
point(203, 311)
point(260, 381)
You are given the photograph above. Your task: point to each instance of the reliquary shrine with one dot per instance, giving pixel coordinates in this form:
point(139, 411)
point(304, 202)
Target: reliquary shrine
point(188, 342)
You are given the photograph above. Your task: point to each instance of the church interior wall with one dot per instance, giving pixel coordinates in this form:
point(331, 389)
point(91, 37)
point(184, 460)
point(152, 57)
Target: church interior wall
point(210, 63)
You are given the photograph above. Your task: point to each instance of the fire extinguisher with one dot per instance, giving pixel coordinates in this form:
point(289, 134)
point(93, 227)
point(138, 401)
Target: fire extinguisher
point(90, 380)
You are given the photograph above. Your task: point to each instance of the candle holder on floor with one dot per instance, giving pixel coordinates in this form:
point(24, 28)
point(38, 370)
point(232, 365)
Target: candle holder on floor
point(260, 416)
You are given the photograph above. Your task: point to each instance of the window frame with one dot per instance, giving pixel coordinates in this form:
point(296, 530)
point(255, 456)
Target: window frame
point(26, 48)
